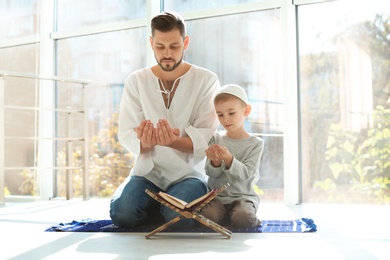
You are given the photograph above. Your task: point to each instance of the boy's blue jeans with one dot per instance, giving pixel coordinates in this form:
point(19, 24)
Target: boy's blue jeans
point(133, 207)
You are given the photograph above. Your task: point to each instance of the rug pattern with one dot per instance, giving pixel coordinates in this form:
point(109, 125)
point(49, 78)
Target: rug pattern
point(301, 225)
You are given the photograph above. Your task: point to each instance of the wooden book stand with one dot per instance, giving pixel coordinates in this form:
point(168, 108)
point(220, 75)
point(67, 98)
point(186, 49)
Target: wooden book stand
point(190, 213)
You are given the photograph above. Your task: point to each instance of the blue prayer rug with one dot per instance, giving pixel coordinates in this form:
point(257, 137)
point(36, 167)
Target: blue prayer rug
point(267, 226)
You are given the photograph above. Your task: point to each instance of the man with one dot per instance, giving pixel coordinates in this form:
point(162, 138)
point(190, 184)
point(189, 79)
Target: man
point(166, 117)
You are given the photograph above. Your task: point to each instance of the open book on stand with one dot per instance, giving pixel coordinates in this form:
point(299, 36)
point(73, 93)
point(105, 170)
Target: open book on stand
point(189, 210)
point(181, 204)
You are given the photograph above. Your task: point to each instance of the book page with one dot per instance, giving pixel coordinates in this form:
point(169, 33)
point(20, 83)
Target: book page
point(173, 200)
point(200, 199)
point(181, 204)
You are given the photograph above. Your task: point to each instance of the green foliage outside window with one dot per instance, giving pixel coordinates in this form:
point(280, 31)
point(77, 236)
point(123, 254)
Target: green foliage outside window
point(355, 167)
point(359, 163)
point(109, 163)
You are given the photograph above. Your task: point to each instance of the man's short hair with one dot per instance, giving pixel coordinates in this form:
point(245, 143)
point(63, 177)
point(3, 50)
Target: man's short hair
point(168, 21)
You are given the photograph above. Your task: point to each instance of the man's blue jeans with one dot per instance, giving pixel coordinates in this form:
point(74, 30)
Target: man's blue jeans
point(133, 207)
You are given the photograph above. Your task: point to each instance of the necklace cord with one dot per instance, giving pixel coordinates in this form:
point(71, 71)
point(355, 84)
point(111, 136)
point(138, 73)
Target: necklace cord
point(167, 92)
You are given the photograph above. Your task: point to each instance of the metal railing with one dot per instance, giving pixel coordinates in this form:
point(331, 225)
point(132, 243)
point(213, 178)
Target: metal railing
point(69, 111)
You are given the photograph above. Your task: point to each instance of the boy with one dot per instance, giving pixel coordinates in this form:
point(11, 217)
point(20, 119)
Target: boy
point(233, 157)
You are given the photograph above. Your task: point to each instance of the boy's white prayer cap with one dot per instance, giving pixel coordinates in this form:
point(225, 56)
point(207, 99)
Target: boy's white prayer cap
point(234, 90)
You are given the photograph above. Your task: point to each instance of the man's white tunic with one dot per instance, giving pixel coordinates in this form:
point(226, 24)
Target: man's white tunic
point(191, 110)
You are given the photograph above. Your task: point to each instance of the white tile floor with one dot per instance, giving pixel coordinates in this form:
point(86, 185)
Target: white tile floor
point(344, 232)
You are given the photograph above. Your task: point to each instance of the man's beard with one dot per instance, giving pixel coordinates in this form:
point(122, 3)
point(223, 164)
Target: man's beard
point(170, 68)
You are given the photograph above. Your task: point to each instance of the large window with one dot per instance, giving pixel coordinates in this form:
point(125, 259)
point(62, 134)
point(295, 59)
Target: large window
point(341, 98)
point(106, 59)
point(344, 65)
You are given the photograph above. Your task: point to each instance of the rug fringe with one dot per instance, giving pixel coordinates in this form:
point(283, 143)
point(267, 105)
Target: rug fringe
point(309, 224)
